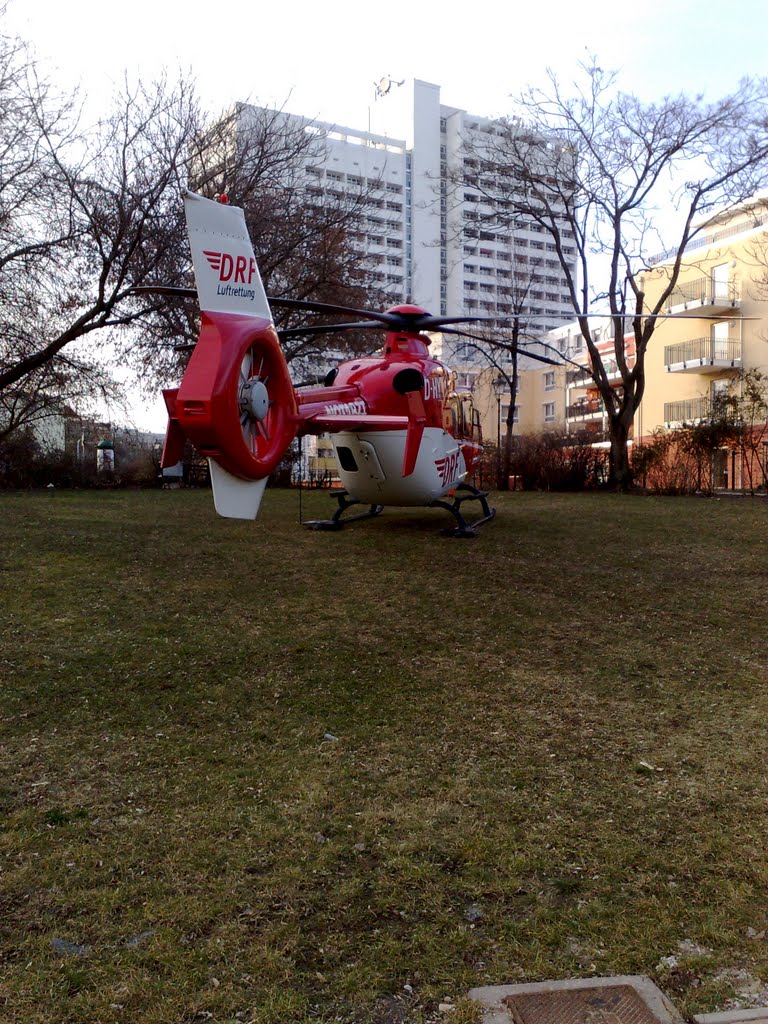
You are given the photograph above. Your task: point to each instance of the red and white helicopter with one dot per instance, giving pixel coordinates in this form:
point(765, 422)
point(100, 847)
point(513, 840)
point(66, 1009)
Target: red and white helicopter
point(402, 432)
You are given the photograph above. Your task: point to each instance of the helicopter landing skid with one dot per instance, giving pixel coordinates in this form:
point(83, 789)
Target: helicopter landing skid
point(463, 529)
point(336, 522)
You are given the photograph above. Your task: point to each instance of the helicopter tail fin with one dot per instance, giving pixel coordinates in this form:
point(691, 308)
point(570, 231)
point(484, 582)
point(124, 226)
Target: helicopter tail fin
point(236, 403)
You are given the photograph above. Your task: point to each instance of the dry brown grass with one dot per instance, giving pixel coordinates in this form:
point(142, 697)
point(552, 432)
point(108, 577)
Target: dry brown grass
point(549, 758)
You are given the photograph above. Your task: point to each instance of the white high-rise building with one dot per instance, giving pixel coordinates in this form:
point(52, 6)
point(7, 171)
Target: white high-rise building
point(429, 233)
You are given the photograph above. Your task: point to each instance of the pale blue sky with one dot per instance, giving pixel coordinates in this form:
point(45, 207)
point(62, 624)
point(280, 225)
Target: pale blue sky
point(321, 59)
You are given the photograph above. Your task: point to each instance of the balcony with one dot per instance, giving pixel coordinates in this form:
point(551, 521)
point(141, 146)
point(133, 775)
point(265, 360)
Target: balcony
point(583, 378)
point(702, 355)
point(688, 410)
point(585, 410)
point(703, 295)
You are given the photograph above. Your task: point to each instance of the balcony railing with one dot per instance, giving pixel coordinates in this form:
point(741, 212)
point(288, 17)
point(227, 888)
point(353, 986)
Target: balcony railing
point(704, 288)
point(687, 410)
point(583, 378)
point(587, 409)
point(714, 351)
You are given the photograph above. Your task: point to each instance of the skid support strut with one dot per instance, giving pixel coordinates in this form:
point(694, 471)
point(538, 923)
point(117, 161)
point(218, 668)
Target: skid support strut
point(462, 493)
point(336, 522)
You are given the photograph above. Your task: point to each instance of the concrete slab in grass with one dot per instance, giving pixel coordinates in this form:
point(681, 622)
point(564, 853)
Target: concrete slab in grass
point(758, 1015)
point(626, 999)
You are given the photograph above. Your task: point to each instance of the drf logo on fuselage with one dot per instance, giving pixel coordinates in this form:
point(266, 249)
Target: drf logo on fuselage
point(448, 467)
point(238, 269)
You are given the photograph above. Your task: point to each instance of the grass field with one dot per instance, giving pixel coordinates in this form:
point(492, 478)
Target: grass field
point(253, 773)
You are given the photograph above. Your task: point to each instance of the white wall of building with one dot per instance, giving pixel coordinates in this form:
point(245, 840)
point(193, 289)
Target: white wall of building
point(427, 239)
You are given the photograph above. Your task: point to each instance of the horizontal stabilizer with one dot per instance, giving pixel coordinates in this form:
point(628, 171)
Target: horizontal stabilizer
point(175, 438)
point(235, 498)
point(335, 424)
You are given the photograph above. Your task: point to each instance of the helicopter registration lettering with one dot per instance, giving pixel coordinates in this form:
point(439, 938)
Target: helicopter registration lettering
point(434, 387)
point(356, 408)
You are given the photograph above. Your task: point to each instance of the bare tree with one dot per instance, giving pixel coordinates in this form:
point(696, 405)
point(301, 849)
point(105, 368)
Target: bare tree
point(88, 213)
point(64, 382)
point(592, 167)
point(85, 214)
point(304, 237)
point(499, 350)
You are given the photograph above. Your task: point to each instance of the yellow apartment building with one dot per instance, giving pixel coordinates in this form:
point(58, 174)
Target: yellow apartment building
point(717, 318)
point(716, 325)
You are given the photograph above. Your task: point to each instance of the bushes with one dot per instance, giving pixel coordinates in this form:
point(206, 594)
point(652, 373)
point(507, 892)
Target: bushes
point(670, 463)
point(23, 463)
point(559, 462)
point(682, 461)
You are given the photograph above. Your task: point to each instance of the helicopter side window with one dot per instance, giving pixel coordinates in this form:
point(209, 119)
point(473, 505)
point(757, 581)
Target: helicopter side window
point(346, 459)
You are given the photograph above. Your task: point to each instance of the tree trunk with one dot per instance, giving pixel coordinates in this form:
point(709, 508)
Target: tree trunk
point(620, 473)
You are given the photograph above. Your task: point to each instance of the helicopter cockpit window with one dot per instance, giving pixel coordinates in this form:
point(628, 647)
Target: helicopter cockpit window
point(466, 415)
point(452, 414)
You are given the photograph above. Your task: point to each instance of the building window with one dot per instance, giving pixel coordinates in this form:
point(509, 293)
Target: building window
point(549, 382)
point(549, 412)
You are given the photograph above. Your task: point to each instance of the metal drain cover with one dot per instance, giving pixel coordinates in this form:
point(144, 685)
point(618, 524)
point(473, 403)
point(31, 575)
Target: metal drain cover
point(631, 999)
point(615, 1005)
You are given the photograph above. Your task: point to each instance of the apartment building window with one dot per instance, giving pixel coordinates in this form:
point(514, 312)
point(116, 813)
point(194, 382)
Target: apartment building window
point(549, 412)
point(549, 381)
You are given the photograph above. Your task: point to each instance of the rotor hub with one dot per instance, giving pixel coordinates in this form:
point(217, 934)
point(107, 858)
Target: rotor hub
point(254, 399)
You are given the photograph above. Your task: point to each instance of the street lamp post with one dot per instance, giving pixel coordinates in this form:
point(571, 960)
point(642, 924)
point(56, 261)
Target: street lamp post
point(499, 387)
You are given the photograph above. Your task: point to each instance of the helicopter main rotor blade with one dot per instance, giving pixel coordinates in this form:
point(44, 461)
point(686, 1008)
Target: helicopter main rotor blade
point(301, 332)
point(328, 307)
point(509, 348)
point(165, 289)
